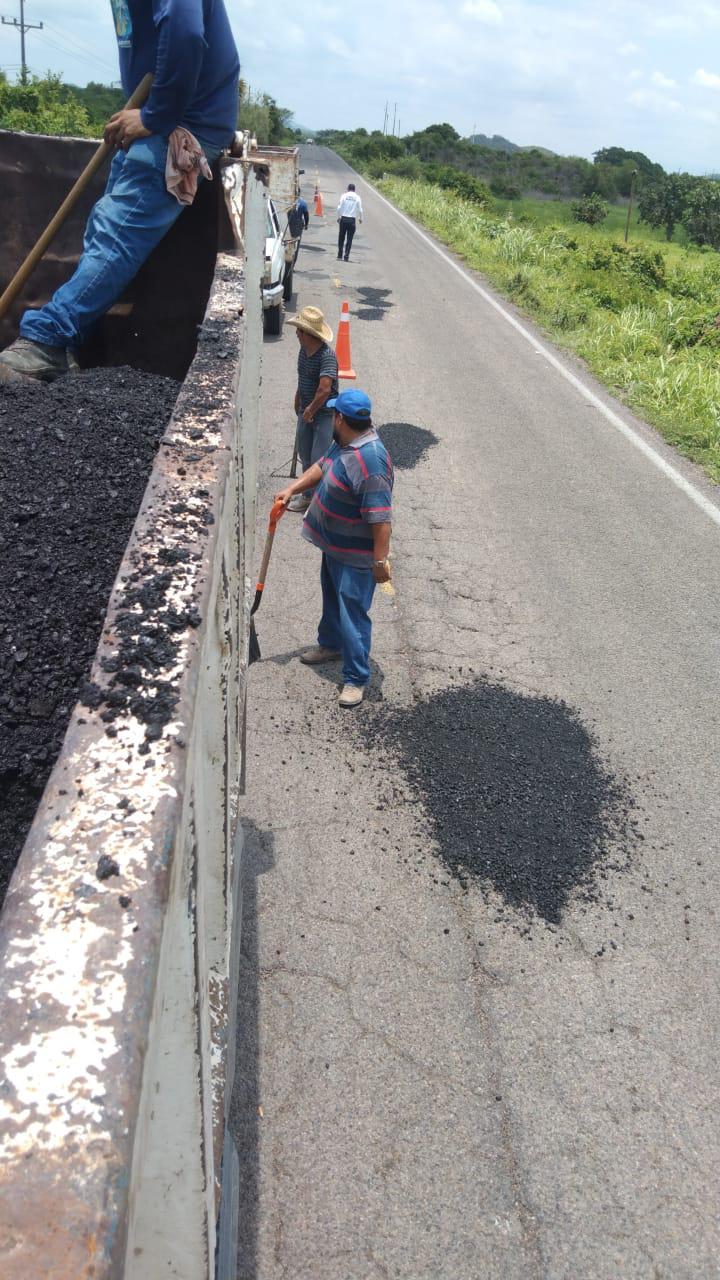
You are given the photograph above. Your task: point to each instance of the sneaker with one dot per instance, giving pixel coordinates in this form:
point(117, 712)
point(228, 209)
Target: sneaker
point(318, 653)
point(351, 695)
point(347, 257)
point(26, 359)
point(300, 502)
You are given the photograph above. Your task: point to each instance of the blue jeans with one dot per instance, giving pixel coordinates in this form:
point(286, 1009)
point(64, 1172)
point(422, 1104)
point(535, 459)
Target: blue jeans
point(345, 624)
point(314, 438)
point(124, 227)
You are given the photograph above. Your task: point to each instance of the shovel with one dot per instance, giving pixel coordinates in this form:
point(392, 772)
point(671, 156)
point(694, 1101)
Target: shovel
point(278, 510)
point(137, 99)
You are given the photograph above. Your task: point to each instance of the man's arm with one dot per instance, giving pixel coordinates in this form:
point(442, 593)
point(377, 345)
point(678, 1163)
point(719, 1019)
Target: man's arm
point(179, 59)
point(360, 209)
point(381, 550)
point(321, 396)
point(177, 67)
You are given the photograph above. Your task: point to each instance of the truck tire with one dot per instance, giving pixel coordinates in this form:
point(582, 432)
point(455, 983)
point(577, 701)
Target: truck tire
point(288, 282)
point(272, 320)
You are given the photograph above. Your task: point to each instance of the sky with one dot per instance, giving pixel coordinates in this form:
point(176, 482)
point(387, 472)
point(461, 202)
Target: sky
point(571, 75)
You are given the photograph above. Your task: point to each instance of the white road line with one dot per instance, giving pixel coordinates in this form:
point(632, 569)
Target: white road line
point(705, 505)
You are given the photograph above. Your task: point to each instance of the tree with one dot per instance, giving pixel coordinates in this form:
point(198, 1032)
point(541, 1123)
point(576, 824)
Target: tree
point(663, 203)
point(591, 209)
point(619, 158)
point(701, 217)
point(43, 105)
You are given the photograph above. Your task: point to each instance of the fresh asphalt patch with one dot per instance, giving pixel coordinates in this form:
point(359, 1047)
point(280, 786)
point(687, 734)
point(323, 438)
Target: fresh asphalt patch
point(375, 303)
point(517, 794)
point(74, 460)
point(407, 444)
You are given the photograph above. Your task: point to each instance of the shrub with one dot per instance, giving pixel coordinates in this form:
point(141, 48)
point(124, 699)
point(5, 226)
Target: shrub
point(591, 209)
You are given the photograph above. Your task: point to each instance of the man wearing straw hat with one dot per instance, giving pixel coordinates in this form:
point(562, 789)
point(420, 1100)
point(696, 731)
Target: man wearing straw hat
point(317, 383)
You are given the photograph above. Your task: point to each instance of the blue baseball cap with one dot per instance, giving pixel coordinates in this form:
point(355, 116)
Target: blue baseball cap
point(354, 405)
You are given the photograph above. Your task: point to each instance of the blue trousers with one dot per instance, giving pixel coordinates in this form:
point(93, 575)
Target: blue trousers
point(314, 438)
point(345, 625)
point(124, 227)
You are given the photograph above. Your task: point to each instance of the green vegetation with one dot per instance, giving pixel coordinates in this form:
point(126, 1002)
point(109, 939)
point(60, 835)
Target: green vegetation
point(590, 209)
point(643, 315)
point(47, 105)
point(266, 121)
point(509, 171)
point(44, 106)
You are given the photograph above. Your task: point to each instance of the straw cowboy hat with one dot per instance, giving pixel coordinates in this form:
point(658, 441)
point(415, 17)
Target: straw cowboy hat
point(312, 321)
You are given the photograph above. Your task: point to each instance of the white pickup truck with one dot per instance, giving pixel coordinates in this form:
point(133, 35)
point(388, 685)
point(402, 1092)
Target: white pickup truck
point(280, 169)
point(280, 247)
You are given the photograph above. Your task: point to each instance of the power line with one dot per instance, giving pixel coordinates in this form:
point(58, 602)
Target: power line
point(22, 26)
point(72, 53)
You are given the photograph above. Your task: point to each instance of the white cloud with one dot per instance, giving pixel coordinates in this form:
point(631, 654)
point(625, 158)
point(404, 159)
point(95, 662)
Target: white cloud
point(663, 82)
point(634, 75)
point(649, 100)
point(708, 79)
point(483, 10)
point(626, 50)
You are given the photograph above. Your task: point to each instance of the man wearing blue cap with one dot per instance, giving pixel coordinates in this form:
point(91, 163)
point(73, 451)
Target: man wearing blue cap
point(349, 519)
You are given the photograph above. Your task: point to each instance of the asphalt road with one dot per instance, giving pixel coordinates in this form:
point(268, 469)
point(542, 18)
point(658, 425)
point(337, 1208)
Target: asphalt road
point(436, 1078)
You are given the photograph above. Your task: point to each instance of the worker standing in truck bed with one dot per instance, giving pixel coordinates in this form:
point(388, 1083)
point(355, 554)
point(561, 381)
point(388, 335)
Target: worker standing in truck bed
point(188, 47)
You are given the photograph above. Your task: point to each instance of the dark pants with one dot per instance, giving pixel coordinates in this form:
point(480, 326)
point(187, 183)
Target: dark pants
point(345, 236)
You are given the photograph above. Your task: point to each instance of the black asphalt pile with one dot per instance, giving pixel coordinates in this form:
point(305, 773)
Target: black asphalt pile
point(374, 303)
point(74, 462)
point(518, 797)
point(406, 444)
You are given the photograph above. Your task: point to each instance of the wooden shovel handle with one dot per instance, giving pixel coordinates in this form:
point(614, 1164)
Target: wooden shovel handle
point(136, 99)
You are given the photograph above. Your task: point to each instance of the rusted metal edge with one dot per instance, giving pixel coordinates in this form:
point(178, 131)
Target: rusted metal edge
point(79, 953)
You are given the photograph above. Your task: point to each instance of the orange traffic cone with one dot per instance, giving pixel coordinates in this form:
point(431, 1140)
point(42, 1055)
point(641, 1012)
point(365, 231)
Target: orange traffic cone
point(318, 204)
point(342, 346)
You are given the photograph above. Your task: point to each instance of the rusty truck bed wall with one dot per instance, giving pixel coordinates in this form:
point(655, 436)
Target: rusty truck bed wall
point(154, 325)
point(117, 994)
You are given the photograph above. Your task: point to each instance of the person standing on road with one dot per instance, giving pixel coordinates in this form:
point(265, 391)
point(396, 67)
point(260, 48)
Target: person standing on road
point(317, 382)
point(298, 218)
point(349, 211)
point(349, 519)
point(188, 47)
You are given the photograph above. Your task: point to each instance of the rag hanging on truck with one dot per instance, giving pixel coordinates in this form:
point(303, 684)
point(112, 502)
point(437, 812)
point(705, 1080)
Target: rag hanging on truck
point(278, 510)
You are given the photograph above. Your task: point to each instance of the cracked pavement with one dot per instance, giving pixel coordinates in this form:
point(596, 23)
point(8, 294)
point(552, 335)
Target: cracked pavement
point(422, 1089)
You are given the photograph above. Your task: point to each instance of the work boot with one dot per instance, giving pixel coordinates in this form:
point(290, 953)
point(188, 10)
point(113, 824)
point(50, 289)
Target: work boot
point(351, 695)
point(318, 653)
point(27, 359)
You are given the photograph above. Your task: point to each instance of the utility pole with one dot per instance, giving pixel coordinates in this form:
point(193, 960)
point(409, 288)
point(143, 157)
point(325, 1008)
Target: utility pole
point(22, 27)
point(633, 176)
point(398, 134)
point(386, 118)
point(394, 115)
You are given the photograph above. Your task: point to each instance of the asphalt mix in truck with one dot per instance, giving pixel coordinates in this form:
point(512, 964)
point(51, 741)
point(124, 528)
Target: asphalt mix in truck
point(74, 463)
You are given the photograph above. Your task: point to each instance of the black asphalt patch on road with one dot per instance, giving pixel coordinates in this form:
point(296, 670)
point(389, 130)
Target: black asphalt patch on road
point(375, 303)
point(517, 793)
point(407, 444)
point(74, 461)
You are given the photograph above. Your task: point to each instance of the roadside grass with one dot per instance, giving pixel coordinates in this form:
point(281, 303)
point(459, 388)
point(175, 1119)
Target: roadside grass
point(544, 212)
point(642, 316)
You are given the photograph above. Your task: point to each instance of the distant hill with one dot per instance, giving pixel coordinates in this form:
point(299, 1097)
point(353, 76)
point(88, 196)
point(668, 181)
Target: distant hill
point(498, 143)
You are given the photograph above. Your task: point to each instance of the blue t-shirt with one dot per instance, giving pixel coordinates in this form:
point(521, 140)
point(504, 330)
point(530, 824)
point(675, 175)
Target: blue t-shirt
point(189, 48)
point(355, 492)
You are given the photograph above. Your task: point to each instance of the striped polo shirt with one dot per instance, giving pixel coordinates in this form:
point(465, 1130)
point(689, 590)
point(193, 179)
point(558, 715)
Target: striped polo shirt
point(354, 493)
point(322, 364)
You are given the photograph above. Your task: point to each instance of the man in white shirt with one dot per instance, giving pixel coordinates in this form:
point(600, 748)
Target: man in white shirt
point(349, 208)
